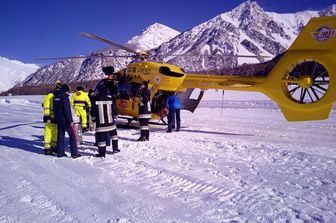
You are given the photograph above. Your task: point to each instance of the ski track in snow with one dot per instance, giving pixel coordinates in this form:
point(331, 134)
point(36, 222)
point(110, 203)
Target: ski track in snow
point(235, 165)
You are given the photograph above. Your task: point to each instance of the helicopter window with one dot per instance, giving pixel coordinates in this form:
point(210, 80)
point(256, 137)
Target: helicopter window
point(166, 71)
point(127, 90)
point(135, 89)
point(124, 90)
point(195, 94)
point(158, 103)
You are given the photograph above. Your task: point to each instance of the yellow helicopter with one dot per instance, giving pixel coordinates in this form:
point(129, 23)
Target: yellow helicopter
point(302, 83)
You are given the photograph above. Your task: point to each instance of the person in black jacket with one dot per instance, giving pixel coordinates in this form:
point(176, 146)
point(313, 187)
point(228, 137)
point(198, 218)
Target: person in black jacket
point(144, 111)
point(110, 82)
point(103, 113)
point(63, 118)
point(91, 95)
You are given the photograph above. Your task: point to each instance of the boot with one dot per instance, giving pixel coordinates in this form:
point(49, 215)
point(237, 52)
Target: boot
point(78, 155)
point(142, 135)
point(147, 135)
point(48, 152)
point(115, 146)
point(54, 149)
point(141, 139)
point(101, 152)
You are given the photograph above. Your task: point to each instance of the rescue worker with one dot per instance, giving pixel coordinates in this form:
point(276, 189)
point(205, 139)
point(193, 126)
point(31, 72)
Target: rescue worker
point(50, 127)
point(91, 96)
point(109, 82)
point(144, 111)
point(173, 104)
point(112, 86)
point(103, 113)
point(63, 118)
point(141, 57)
point(80, 101)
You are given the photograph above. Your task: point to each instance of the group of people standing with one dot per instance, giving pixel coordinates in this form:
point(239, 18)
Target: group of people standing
point(58, 119)
point(101, 105)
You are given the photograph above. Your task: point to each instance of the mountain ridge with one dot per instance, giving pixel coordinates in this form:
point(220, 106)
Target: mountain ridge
point(13, 72)
point(246, 29)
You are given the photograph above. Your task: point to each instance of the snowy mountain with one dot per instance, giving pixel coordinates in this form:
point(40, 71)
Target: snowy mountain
point(13, 72)
point(90, 68)
point(246, 30)
point(152, 37)
point(65, 70)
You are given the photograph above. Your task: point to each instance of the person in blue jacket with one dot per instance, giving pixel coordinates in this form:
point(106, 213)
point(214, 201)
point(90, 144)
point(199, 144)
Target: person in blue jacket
point(173, 105)
point(63, 118)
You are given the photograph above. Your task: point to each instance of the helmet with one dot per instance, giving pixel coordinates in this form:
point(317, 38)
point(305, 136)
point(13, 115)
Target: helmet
point(58, 84)
point(65, 88)
point(108, 70)
point(79, 88)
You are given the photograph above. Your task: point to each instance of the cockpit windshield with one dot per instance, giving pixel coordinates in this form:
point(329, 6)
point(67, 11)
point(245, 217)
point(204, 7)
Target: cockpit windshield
point(166, 71)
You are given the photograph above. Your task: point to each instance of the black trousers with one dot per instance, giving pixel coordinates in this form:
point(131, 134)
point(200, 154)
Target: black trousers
point(144, 129)
point(104, 139)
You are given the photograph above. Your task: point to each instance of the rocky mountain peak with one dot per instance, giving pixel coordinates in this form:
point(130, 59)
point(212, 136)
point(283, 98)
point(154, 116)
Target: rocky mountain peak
point(152, 37)
point(246, 10)
point(329, 11)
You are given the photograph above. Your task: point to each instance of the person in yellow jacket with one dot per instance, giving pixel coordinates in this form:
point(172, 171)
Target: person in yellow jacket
point(50, 127)
point(81, 103)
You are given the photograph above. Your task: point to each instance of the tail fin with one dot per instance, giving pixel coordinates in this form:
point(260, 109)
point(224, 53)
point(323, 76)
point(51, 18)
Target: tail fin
point(319, 34)
point(303, 82)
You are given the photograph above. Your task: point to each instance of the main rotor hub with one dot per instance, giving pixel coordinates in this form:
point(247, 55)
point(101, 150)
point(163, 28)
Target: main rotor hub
point(306, 81)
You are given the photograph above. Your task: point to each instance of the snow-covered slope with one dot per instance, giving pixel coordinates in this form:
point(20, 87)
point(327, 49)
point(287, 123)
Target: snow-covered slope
point(13, 72)
point(242, 163)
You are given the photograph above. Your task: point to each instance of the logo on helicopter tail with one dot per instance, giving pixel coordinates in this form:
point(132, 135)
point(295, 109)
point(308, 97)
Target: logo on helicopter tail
point(323, 33)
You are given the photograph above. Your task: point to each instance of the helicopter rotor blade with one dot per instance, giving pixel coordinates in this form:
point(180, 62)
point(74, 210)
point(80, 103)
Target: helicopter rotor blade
point(247, 56)
point(92, 36)
point(222, 55)
point(85, 57)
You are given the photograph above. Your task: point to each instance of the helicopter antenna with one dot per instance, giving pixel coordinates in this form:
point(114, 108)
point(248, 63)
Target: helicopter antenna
point(92, 36)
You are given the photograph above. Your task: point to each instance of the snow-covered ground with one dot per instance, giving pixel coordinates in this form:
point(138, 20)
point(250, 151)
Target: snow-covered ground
point(236, 162)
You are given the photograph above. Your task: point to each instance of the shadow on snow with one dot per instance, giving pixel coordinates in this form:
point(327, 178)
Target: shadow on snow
point(33, 145)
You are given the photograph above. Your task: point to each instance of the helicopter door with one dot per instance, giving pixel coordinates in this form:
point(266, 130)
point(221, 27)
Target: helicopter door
point(190, 99)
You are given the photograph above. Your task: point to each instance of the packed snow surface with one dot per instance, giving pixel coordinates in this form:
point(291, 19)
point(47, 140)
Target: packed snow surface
point(236, 161)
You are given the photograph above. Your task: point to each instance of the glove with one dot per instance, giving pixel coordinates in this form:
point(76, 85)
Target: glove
point(46, 119)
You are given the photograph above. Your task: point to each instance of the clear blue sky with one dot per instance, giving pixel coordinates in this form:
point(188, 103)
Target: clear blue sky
point(50, 28)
